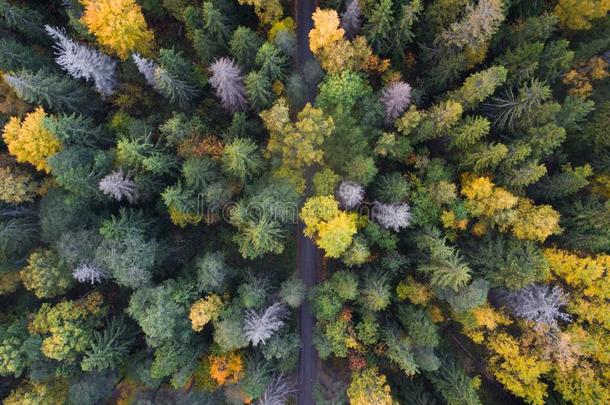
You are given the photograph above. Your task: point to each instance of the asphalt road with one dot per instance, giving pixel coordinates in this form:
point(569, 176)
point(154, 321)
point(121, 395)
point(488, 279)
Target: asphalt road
point(309, 257)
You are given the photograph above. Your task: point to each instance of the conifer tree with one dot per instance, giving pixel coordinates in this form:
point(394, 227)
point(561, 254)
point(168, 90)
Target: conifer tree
point(82, 62)
point(227, 81)
point(351, 19)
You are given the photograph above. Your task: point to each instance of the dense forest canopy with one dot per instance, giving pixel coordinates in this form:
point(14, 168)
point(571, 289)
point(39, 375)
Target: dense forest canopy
point(164, 163)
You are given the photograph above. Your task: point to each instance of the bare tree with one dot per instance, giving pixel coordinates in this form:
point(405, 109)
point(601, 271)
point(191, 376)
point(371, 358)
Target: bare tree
point(119, 186)
point(89, 273)
point(279, 390)
point(82, 62)
point(395, 99)
point(147, 67)
point(351, 19)
point(392, 216)
point(478, 25)
point(350, 194)
point(228, 83)
point(261, 326)
point(540, 304)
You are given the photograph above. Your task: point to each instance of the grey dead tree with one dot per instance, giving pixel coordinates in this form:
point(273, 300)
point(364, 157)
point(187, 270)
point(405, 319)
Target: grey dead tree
point(82, 62)
point(395, 99)
point(260, 326)
point(392, 216)
point(350, 194)
point(540, 304)
point(228, 83)
point(351, 19)
point(119, 186)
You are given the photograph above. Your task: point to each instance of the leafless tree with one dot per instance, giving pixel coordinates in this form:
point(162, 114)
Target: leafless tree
point(351, 19)
point(82, 62)
point(395, 99)
point(147, 67)
point(540, 304)
point(350, 194)
point(228, 83)
point(392, 216)
point(261, 326)
point(279, 390)
point(119, 186)
point(89, 273)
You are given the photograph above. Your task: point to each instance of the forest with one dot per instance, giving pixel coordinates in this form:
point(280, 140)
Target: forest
point(365, 202)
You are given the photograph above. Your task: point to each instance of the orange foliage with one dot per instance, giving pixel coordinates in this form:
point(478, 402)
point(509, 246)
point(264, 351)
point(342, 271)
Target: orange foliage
point(227, 368)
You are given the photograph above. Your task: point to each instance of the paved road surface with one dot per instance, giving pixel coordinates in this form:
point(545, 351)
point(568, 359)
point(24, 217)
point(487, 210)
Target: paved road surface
point(308, 255)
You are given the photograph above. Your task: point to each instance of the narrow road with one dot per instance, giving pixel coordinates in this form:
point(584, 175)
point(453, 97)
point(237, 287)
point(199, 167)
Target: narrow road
point(309, 257)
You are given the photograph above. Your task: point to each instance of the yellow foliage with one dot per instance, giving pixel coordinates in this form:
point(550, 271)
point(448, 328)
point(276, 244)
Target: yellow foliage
point(9, 281)
point(583, 385)
point(489, 318)
point(16, 187)
point(205, 310)
point(226, 368)
point(589, 274)
point(326, 31)
point(577, 14)
point(183, 219)
point(415, 292)
point(267, 11)
point(316, 210)
point(535, 222)
point(335, 235)
point(484, 198)
point(29, 141)
point(368, 387)
point(579, 80)
point(519, 372)
point(118, 25)
point(38, 393)
point(286, 24)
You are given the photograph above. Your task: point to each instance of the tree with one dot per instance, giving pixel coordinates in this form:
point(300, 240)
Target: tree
point(25, 20)
point(278, 391)
point(89, 273)
point(577, 15)
point(67, 327)
point(258, 89)
point(109, 348)
point(400, 351)
point(175, 78)
point(244, 46)
point(241, 158)
point(119, 186)
point(147, 67)
point(477, 27)
point(82, 62)
point(227, 81)
point(45, 274)
point(205, 310)
point(118, 25)
point(391, 188)
point(446, 267)
point(350, 194)
point(375, 292)
point(510, 109)
point(298, 144)
point(259, 327)
point(392, 216)
point(226, 368)
point(29, 141)
point(540, 304)
point(16, 186)
point(268, 11)
point(292, 291)
point(212, 271)
point(58, 93)
point(368, 387)
point(351, 19)
point(454, 385)
point(395, 98)
point(271, 62)
point(478, 86)
point(379, 26)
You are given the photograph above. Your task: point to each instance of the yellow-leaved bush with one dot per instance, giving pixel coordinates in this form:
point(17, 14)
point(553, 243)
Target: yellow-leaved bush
point(29, 141)
point(118, 25)
point(205, 310)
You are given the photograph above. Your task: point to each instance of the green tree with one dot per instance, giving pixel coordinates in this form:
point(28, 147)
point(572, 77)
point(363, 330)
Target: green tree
point(46, 275)
point(241, 158)
point(258, 89)
point(244, 46)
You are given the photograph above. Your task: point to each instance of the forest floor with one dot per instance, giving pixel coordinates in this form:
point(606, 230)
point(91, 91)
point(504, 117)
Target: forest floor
point(308, 255)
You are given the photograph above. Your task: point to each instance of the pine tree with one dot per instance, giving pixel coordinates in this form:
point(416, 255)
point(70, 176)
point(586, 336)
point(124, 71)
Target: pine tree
point(477, 27)
point(445, 266)
point(271, 61)
point(227, 81)
point(395, 98)
point(82, 62)
point(258, 89)
point(478, 86)
point(147, 67)
point(214, 23)
point(378, 28)
point(241, 158)
point(176, 79)
point(510, 108)
point(24, 20)
point(244, 46)
point(55, 92)
point(15, 56)
point(109, 348)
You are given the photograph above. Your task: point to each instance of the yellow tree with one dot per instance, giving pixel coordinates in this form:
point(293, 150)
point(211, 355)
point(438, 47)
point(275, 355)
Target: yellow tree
point(29, 141)
point(332, 229)
point(577, 14)
point(205, 310)
point(118, 25)
point(295, 145)
point(267, 11)
point(226, 368)
point(368, 387)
